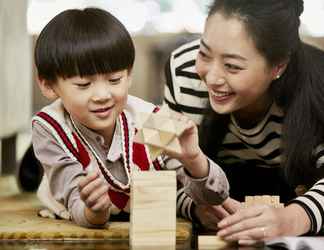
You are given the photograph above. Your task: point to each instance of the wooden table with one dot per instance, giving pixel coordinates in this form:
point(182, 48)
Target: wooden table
point(21, 228)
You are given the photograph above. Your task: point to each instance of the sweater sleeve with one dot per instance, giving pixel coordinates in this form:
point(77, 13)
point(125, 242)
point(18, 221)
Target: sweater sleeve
point(212, 189)
point(63, 175)
point(313, 200)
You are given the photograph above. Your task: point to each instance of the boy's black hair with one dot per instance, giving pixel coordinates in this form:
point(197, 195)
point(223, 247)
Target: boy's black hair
point(83, 43)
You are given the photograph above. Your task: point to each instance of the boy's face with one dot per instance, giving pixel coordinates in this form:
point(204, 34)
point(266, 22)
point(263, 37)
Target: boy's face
point(95, 101)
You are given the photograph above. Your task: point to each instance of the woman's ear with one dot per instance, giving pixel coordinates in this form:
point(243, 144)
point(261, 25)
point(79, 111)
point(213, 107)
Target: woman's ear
point(279, 69)
point(47, 89)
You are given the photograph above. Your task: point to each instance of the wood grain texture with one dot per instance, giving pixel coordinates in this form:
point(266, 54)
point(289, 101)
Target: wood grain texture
point(153, 208)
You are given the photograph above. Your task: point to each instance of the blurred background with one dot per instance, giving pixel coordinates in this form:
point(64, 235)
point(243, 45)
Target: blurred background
point(157, 27)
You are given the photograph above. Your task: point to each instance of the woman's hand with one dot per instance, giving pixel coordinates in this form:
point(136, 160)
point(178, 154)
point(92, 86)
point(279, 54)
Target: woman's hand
point(93, 192)
point(191, 155)
point(188, 139)
point(261, 222)
point(209, 216)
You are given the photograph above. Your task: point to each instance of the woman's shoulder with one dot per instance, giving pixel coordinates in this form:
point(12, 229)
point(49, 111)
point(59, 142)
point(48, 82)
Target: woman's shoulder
point(185, 53)
point(182, 74)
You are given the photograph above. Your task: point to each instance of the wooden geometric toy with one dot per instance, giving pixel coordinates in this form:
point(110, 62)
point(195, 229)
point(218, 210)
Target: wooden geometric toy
point(159, 131)
point(273, 201)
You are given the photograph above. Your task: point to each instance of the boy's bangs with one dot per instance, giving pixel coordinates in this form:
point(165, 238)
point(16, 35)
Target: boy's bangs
point(83, 43)
point(94, 56)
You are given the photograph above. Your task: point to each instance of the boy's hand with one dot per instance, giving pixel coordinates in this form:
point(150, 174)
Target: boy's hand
point(93, 192)
point(210, 215)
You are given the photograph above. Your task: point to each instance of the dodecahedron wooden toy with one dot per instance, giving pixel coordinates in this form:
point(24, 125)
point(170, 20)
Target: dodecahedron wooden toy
point(159, 131)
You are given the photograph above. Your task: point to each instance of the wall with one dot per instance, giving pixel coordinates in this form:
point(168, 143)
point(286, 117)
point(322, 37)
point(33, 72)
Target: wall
point(15, 70)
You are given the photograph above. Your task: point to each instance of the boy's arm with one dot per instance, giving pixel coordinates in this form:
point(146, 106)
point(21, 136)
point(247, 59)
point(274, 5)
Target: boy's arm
point(63, 174)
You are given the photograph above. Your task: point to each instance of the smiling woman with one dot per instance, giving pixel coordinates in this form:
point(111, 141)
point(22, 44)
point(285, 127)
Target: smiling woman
point(257, 95)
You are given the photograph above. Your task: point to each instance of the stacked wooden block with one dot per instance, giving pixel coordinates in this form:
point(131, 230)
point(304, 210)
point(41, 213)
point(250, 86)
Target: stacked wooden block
point(153, 210)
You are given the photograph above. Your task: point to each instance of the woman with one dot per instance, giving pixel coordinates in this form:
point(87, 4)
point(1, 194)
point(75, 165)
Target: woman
point(257, 92)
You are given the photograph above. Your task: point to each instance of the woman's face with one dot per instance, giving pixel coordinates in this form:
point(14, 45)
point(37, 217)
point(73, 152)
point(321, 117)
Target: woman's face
point(236, 74)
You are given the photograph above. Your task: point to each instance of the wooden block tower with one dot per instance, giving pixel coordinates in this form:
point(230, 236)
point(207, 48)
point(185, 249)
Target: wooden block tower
point(153, 209)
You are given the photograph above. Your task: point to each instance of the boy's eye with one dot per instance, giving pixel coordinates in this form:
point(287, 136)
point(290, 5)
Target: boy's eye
point(115, 80)
point(83, 85)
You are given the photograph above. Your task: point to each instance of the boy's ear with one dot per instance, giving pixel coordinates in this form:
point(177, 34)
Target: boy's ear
point(47, 89)
point(130, 78)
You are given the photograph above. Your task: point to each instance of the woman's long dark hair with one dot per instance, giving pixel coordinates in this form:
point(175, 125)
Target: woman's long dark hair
point(273, 25)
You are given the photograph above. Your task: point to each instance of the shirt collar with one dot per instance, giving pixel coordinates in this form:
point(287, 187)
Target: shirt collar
point(115, 150)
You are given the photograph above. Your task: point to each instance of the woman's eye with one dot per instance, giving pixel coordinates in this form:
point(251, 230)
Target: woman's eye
point(202, 54)
point(232, 67)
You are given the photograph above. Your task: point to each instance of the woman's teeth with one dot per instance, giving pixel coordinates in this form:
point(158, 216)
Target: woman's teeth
point(220, 94)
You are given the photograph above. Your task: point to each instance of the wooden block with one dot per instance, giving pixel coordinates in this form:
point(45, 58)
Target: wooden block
point(141, 119)
point(153, 209)
point(154, 151)
point(258, 200)
point(269, 200)
point(168, 126)
point(174, 146)
point(212, 242)
point(166, 137)
point(249, 200)
point(151, 136)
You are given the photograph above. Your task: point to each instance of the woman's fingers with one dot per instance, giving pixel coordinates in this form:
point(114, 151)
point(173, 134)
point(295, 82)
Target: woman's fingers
point(240, 215)
point(255, 233)
point(249, 242)
point(241, 226)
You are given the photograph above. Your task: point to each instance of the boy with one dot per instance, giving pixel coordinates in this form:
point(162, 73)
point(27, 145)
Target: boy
point(84, 139)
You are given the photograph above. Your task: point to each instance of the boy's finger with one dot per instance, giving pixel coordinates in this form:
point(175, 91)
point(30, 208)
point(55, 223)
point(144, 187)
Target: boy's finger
point(87, 179)
point(102, 204)
point(91, 187)
point(97, 194)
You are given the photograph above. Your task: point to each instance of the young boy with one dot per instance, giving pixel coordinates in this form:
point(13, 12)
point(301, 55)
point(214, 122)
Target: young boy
point(84, 139)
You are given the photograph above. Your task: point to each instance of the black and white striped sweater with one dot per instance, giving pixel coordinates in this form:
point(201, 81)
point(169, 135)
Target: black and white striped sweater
point(259, 146)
